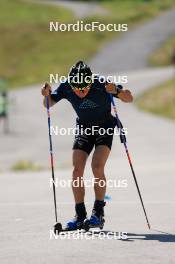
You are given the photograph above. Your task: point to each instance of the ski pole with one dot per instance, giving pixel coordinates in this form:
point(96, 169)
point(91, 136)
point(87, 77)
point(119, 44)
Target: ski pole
point(123, 140)
point(51, 156)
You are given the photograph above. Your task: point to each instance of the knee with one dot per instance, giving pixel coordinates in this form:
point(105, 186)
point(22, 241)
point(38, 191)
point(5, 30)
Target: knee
point(78, 171)
point(98, 169)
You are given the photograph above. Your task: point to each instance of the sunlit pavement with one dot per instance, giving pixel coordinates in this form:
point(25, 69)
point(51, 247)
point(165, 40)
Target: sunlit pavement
point(26, 202)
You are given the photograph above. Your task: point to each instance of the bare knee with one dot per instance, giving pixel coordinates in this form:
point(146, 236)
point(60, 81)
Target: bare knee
point(78, 171)
point(98, 170)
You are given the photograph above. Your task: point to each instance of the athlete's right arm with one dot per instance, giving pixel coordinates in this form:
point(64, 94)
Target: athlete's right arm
point(46, 91)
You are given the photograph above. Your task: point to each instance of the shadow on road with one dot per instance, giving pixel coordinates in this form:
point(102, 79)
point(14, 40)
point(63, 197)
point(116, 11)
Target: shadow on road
point(156, 237)
point(131, 237)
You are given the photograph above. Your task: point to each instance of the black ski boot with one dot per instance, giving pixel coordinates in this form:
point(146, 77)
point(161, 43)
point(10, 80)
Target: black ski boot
point(97, 217)
point(77, 222)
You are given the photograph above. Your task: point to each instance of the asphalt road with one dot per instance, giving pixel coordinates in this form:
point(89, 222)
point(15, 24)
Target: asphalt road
point(137, 45)
point(26, 205)
point(26, 202)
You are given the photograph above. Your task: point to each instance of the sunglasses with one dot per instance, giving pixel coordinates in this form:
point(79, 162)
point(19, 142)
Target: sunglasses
point(81, 89)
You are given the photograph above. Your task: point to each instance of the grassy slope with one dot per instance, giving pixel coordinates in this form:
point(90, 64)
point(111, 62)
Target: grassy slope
point(159, 100)
point(29, 52)
point(137, 10)
point(163, 55)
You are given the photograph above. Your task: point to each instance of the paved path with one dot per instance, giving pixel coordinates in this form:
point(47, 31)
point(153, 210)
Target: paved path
point(28, 139)
point(30, 100)
point(132, 49)
point(26, 203)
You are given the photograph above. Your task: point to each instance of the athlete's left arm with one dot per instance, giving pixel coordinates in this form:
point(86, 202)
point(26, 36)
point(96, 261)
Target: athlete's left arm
point(122, 94)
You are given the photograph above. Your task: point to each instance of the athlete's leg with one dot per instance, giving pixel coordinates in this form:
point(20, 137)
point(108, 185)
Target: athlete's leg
point(99, 159)
point(79, 162)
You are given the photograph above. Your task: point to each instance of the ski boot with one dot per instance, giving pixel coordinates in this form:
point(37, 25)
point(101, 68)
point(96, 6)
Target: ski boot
point(97, 217)
point(76, 223)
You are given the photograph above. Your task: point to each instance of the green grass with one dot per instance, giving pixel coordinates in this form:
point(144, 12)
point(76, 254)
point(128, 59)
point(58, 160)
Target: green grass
point(159, 100)
point(25, 165)
point(134, 11)
point(163, 55)
point(29, 52)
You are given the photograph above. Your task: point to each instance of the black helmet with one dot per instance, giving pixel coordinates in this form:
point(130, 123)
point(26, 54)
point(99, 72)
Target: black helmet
point(80, 75)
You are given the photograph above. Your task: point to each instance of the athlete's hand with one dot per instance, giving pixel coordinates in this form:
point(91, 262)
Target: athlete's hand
point(111, 88)
point(46, 90)
point(125, 96)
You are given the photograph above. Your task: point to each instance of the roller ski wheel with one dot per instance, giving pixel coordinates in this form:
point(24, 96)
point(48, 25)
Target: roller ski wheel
point(58, 228)
point(71, 226)
point(88, 224)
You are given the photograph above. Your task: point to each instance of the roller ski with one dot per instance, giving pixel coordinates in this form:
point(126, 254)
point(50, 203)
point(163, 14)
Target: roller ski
point(97, 218)
point(76, 224)
point(71, 226)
